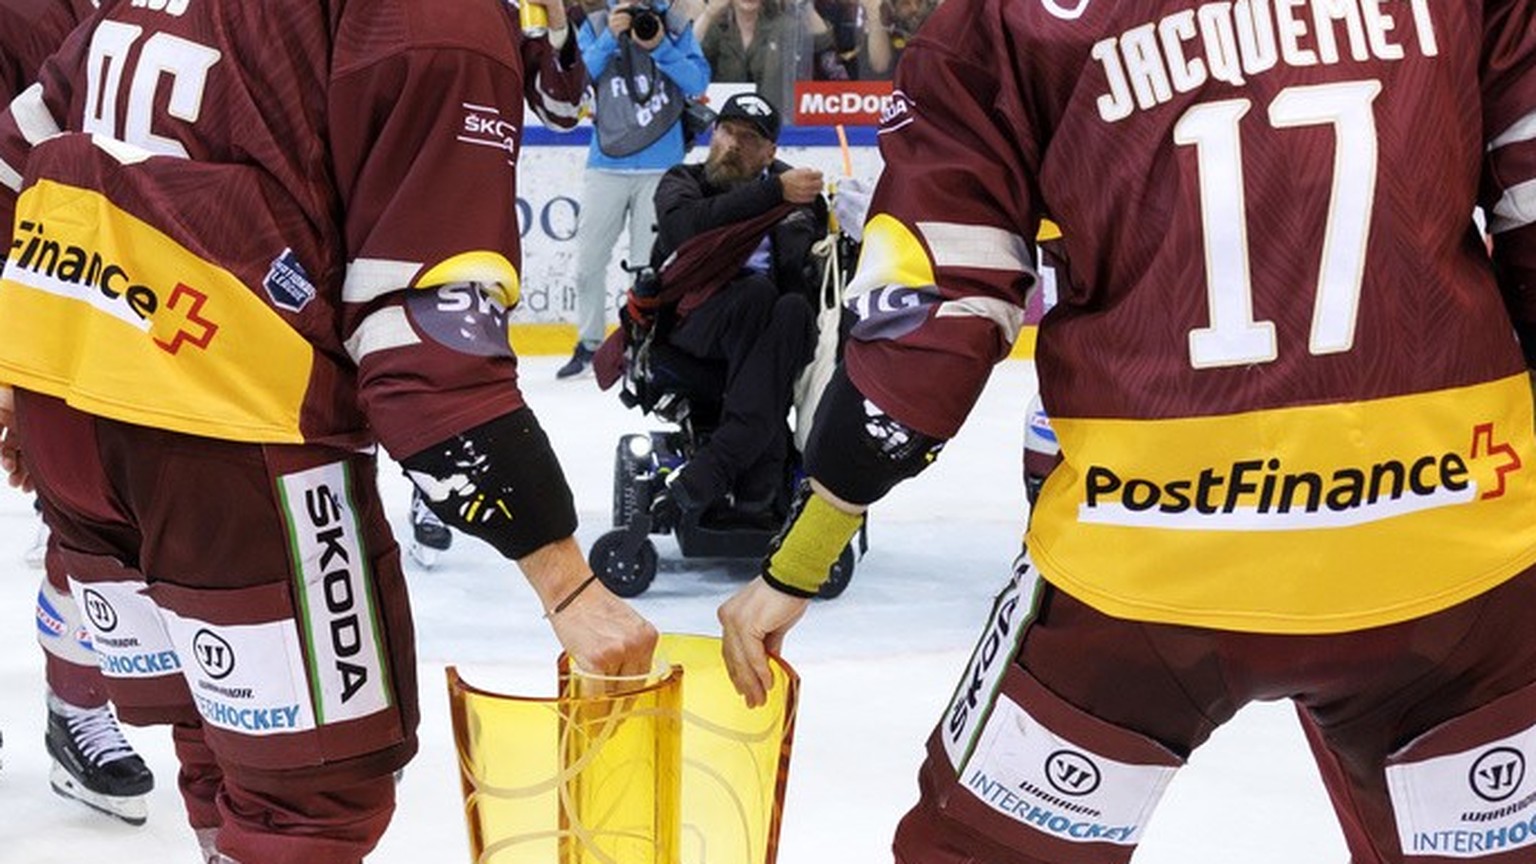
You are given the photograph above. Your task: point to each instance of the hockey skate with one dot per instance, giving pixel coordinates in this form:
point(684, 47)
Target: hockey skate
point(430, 538)
point(94, 764)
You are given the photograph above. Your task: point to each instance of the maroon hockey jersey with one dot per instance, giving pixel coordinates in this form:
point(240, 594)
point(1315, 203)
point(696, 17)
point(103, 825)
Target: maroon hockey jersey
point(1287, 389)
point(292, 220)
point(30, 30)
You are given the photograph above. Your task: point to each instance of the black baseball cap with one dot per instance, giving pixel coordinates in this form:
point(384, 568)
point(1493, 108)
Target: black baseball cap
point(754, 109)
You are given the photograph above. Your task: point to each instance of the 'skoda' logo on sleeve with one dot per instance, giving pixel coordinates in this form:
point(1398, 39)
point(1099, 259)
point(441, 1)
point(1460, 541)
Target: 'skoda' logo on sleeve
point(484, 125)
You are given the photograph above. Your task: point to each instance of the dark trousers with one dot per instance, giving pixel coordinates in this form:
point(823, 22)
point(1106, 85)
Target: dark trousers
point(765, 340)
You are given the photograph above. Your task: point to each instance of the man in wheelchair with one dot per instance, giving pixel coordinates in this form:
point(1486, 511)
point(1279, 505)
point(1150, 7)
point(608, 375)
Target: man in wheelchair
point(744, 310)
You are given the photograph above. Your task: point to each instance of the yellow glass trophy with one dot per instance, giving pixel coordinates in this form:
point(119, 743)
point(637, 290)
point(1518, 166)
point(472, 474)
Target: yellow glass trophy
point(672, 768)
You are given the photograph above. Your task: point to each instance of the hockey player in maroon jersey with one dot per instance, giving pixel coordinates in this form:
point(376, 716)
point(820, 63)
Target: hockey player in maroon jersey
point(251, 241)
point(92, 761)
point(1290, 392)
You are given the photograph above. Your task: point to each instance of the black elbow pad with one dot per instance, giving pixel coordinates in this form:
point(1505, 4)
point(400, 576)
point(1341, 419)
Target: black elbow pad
point(500, 482)
point(858, 451)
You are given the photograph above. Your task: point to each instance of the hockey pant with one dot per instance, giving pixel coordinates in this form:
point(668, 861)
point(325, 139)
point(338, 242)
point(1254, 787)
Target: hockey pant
point(252, 597)
point(1068, 724)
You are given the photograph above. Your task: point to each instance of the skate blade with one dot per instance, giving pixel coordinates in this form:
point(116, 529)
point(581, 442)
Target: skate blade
point(426, 556)
point(131, 809)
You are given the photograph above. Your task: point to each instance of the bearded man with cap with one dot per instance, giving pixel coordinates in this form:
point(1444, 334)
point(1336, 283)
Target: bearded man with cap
point(760, 321)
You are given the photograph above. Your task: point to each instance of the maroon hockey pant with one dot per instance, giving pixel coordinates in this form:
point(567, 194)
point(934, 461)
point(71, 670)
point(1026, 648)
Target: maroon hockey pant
point(1459, 679)
point(288, 768)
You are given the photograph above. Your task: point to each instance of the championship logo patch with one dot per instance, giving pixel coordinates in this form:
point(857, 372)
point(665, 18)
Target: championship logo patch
point(288, 284)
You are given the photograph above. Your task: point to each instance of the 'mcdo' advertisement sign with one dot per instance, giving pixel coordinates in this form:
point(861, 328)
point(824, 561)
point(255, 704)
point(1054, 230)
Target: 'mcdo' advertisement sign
point(848, 103)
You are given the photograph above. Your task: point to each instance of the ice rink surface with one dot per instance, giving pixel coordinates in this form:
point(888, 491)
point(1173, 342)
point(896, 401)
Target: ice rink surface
point(877, 667)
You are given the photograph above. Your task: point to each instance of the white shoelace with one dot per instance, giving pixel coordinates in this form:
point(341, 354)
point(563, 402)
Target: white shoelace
point(96, 733)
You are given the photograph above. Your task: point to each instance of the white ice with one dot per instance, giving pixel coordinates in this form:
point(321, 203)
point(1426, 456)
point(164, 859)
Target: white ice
point(877, 666)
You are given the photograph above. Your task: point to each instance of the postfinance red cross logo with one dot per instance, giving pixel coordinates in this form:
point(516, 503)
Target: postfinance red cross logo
point(184, 313)
point(1483, 444)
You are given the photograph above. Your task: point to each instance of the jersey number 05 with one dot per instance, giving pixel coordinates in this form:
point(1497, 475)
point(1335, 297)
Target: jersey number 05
point(183, 62)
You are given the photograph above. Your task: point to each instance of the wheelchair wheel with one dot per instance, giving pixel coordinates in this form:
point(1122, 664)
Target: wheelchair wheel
point(625, 573)
point(839, 576)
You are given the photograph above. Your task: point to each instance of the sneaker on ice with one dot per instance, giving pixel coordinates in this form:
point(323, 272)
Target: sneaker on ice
point(94, 764)
point(581, 361)
point(429, 536)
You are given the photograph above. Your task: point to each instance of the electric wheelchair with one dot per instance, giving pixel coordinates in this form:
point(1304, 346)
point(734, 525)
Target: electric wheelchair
point(684, 391)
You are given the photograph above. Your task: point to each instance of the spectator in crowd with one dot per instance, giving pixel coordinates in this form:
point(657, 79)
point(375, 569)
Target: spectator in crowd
point(760, 323)
point(888, 27)
point(641, 75)
point(758, 42)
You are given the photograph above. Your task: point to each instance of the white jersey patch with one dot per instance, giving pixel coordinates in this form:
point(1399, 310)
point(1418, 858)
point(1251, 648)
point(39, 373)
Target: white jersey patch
point(247, 678)
point(973, 698)
point(1473, 804)
point(126, 630)
point(335, 594)
point(1031, 775)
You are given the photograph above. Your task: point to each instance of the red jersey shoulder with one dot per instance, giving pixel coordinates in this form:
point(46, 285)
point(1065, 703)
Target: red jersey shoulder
point(30, 30)
point(371, 30)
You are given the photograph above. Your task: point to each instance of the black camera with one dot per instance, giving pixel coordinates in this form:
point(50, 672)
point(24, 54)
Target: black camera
point(644, 22)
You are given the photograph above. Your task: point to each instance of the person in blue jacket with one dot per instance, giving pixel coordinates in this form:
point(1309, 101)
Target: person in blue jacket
point(644, 64)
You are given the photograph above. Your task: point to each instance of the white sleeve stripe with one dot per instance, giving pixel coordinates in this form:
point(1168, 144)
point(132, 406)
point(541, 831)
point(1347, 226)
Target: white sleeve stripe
point(1523, 129)
point(33, 117)
point(10, 178)
point(371, 278)
point(384, 329)
point(1516, 209)
point(980, 247)
point(1008, 317)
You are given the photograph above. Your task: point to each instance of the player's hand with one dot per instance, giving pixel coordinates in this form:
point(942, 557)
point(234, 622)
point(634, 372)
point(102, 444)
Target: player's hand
point(10, 446)
point(603, 635)
point(801, 185)
point(753, 624)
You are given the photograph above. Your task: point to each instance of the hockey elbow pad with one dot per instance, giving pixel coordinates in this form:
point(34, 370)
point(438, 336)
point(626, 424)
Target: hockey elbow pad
point(858, 451)
point(500, 482)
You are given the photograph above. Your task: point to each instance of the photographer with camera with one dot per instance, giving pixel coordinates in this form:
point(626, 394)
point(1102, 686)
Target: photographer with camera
point(645, 65)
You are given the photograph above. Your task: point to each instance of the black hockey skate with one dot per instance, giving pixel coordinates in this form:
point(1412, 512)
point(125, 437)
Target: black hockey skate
point(429, 536)
point(94, 764)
